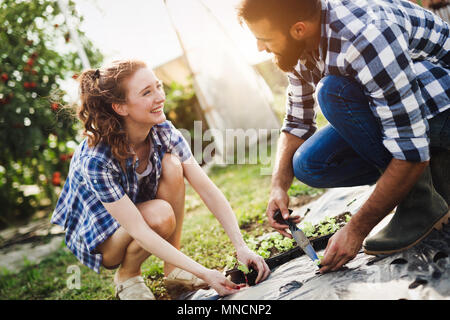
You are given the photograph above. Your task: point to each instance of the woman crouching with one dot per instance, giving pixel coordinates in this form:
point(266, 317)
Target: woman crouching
point(124, 196)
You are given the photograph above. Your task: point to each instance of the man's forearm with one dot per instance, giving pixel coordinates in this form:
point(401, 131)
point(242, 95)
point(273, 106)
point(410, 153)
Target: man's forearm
point(398, 179)
point(283, 173)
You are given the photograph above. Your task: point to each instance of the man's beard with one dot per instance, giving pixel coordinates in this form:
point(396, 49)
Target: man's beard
point(288, 58)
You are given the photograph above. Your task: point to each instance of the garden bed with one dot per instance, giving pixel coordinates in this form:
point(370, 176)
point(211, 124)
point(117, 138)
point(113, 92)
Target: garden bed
point(277, 250)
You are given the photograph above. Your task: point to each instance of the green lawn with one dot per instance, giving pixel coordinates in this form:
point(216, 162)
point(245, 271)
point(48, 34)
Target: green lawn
point(203, 240)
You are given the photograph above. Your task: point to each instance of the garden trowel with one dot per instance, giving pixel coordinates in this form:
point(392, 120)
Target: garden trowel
point(298, 235)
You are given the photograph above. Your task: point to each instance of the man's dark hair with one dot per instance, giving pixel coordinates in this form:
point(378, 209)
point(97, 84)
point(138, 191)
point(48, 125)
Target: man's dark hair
point(281, 13)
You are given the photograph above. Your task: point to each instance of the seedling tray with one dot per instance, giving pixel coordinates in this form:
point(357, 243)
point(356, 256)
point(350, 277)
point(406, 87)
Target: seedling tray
point(237, 276)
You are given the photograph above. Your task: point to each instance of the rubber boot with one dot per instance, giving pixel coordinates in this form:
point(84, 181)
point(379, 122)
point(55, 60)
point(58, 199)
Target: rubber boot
point(416, 216)
point(440, 172)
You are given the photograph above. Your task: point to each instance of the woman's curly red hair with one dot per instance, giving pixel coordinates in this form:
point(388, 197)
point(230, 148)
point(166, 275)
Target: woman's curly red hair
point(99, 89)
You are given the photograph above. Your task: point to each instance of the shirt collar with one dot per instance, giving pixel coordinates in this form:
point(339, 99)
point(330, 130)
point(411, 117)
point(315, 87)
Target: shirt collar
point(155, 142)
point(155, 138)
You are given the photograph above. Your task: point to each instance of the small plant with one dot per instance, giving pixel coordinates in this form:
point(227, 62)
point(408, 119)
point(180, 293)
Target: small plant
point(348, 216)
point(243, 267)
point(326, 226)
point(284, 244)
point(309, 229)
point(230, 262)
point(319, 261)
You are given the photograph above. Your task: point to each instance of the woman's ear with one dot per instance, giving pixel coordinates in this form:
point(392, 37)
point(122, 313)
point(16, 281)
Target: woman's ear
point(298, 30)
point(120, 109)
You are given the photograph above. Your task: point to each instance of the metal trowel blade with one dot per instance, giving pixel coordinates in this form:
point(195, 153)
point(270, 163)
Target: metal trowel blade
point(304, 243)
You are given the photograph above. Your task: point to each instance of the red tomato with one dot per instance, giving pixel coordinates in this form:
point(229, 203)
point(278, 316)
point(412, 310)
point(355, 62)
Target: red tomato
point(56, 179)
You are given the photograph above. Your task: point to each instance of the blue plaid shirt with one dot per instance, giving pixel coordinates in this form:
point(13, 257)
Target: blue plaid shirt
point(398, 51)
point(95, 176)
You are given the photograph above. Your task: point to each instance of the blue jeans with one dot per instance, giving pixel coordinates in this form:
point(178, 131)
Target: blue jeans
point(349, 151)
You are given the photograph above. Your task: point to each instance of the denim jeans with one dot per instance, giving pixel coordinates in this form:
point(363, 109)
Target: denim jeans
point(349, 150)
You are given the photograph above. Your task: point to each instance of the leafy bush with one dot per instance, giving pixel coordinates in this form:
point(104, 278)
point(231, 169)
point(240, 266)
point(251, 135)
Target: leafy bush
point(183, 109)
point(36, 54)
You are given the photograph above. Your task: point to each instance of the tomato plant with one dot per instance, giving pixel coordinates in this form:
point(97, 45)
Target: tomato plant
point(34, 128)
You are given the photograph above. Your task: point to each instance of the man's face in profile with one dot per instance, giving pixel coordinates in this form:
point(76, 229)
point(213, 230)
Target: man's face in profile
point(287, 51)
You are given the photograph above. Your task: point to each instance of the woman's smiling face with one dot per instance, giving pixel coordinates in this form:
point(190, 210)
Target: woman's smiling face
point(145, 98)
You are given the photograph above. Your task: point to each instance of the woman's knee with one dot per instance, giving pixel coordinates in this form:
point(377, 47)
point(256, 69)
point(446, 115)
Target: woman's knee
point(160, 217)
point(113, 249)
point(172, 169)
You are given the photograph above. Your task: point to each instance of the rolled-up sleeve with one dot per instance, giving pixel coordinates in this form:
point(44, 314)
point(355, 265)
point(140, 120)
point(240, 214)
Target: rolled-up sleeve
point(378, 58)
point(300, 115)
point(102, 180)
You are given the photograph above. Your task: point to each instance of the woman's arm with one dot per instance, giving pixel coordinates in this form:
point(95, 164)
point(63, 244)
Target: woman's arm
point(220, 207)
point(214, 200)
point(127, 214)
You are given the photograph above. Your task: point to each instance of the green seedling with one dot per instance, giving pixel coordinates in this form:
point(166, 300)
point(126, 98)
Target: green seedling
point(230, 262)
point(263, 253)
point(309, 229)
point(243, 267)
point(319, 261)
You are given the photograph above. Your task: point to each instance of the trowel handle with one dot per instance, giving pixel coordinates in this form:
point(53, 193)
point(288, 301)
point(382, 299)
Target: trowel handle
point(278, 217)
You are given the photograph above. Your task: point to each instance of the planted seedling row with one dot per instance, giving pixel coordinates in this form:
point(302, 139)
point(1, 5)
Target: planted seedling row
point(277, 250)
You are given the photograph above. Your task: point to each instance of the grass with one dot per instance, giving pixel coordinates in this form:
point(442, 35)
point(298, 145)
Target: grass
point(203, 240)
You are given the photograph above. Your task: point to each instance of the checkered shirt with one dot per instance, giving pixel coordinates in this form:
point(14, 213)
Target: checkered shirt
point(95, 176)
point(398, 52)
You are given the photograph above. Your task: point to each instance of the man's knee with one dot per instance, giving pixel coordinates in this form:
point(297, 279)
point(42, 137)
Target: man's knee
point(304, 172)
point(331, 92)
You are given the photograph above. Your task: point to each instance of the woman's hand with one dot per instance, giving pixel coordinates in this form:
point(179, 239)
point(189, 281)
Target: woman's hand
point(220, 283)
point(248, 257)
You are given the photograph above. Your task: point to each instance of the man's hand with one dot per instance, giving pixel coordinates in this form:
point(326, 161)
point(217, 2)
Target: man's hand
point(279, 199)
point(342, 247)
point(397, 180)
point(281, 181)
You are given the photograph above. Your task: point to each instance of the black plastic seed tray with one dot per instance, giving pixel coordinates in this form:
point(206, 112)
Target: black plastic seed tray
point(237, 276)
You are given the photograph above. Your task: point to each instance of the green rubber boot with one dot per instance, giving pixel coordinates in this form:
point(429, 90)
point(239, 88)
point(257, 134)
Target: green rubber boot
point(416, 216)
point(440, 172)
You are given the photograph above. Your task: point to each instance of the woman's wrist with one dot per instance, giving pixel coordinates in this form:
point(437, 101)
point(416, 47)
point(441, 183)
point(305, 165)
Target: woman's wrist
point(241, 248)
point(201, 272)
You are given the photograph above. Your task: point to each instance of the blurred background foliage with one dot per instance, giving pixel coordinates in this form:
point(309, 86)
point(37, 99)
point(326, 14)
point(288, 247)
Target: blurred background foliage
point(37, 134)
